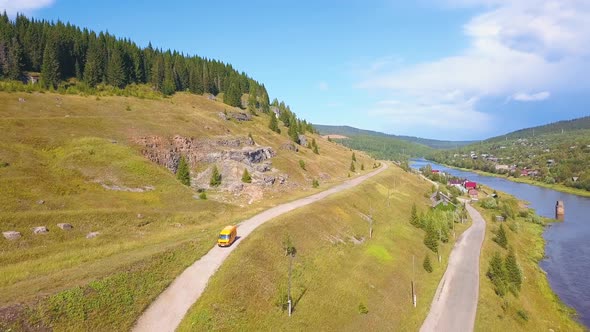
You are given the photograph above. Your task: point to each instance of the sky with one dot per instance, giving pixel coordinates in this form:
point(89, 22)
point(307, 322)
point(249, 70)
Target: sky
point(443, 69)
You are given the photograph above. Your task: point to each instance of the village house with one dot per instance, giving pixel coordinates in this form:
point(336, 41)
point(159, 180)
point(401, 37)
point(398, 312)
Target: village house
point(33, 78)
point(473, 194)
point(470, 185)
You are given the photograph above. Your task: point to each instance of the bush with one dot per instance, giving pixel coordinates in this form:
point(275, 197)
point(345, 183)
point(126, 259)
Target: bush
point(302, 164)
point(489, 203)
point(315, 183)
point(523, 314)
point(426, 264)
point(203, 195)
point(363, 309)
point(183, 173)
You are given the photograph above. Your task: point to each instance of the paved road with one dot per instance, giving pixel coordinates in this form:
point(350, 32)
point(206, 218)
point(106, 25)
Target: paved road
point(166, 313)
point(455, 302)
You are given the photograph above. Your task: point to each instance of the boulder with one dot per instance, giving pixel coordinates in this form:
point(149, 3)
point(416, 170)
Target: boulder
point(290, 146)
point(92, 235)
point(40, 202)
point(65, 226)
point(11, 235)
point(40, 230)
point(302, 140)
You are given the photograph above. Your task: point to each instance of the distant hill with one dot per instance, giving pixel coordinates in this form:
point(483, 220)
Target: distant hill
point(555, 127)
point(558, 152)
point(351, 131)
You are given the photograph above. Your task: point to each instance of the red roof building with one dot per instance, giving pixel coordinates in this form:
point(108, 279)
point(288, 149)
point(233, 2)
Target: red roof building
point(470, 185)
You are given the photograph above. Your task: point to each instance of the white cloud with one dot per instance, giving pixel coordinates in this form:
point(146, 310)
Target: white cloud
point(515, 46)
point(12, 7)
point(521, 96)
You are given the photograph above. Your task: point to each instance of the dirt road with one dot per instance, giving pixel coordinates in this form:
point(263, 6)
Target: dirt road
point(167, 311)
point(455, 302)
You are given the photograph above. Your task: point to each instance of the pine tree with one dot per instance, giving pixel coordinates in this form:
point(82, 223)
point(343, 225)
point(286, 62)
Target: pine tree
point(93, 71)
point(353, 157)
point(233, 95)
point(426, 264)
point(314, 145)
point(431, 238)
point(274, 124)
point(183, 172)
point(501, 238)
point(215, 177)
point(115, 69)
point(513, 272)
point(352, 169)
point(293, 134)
point(414, 219)
point(246, 178)
point(497, 274)
point(50, 72)
point(15, 60)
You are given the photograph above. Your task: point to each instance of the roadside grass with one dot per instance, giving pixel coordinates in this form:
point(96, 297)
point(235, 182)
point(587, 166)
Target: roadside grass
point(57, 151)
point(338, 283)
point(536, 308)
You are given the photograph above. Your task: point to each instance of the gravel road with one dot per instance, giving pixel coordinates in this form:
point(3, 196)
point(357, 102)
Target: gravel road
point(168, 310)
point(455, 302)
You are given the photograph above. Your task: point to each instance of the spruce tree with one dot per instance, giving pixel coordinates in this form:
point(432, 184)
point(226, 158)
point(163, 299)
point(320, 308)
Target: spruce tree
point(353, 157)
point(274, 124)
point(426, 264)
point(352, 169)
point(314, 145)
point(15, 60)
point(431, 238)
point(93, 71)
point(50, 72)
point(513, 272)
point(183, 172)
point(246, 177)
point(501, 238)
point(497, 274)
point(215, 177)
point(115, 69)
point(414, 219)
point(233, 95)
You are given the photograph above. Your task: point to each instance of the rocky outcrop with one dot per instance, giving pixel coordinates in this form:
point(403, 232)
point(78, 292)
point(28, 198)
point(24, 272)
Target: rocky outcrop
point(167, 152)
point(290, 146)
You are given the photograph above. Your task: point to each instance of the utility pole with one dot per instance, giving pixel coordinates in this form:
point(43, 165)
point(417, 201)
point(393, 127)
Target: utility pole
point(413, 283)
point(289, 251)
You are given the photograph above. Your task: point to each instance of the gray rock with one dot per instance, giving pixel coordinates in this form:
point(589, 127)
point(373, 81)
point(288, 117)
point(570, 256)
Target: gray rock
point(283, 178)
point(264, 167)
point(290, 146)
point(268, 180)
point(40, 230)
point(302, 140)
point(11, 235)
point(65, 226)
point(92, 235)
point(40, 202)
point(222, 116)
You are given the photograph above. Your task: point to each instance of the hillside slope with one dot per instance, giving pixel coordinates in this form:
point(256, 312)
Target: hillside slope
point(554, 154)
point(105, 164)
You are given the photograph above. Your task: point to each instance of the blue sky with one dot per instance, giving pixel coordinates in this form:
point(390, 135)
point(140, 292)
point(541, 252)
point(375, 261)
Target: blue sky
point(446, 69)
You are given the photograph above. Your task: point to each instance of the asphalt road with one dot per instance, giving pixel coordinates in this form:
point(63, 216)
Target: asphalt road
point(455, 302)
point(168, 310)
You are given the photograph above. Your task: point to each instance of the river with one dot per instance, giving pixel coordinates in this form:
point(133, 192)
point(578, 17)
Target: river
point(567, 248)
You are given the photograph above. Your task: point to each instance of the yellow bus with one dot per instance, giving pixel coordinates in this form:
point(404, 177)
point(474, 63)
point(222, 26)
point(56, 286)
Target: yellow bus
point(227, 236)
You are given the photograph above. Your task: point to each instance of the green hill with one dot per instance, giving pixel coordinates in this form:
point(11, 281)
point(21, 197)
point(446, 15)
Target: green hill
point(553, 154)
point(351, 131)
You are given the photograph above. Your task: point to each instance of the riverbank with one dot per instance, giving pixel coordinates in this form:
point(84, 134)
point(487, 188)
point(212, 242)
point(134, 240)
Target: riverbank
point(535, 307)
point(557, 187)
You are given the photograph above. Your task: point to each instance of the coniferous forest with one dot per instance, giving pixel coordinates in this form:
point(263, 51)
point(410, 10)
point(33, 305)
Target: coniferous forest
point(66, 55)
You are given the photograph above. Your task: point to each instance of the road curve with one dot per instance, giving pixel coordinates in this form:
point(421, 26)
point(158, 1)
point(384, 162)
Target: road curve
point(168, 310)
point(455, 302)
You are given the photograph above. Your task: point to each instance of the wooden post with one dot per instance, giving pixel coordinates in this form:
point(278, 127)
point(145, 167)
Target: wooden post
point(289, 287)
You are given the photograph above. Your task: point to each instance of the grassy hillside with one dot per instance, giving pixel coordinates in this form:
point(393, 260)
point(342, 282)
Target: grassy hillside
point(351, 131)
point(342, 280)
point(544, 155)
point(75, 159)
point(535, 307)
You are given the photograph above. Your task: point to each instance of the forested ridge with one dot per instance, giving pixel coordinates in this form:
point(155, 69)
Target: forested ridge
point(64, 54)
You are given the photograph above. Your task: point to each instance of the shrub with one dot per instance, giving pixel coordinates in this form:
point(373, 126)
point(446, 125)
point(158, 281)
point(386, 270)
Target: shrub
point(363, 309)
point(362, 167)
point(203, 195)
point(315, 183)
point(426, 264)
point(523, 314)
point(352, 168)
point(489, 203)
point(302, 164)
